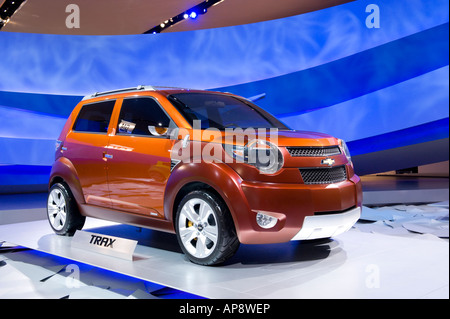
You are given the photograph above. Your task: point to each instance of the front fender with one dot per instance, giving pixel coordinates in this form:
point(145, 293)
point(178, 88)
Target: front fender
point(221, 177)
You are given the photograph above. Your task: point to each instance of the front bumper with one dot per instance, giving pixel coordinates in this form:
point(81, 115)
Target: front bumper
point(302, 211)
point(324, 226)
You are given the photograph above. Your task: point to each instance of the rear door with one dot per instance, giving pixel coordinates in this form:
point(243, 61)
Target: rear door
point(85, 146)
point(139, 157)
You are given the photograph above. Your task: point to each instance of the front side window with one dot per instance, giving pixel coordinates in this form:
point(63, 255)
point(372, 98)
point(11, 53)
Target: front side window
point(94, 117)
point(142, 116)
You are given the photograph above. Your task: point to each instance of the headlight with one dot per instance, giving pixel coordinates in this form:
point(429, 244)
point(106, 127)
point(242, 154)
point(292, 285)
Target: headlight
point(265, 156)
point(345, 150)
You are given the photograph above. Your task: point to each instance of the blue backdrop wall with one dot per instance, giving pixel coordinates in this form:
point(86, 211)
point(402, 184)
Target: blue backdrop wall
point(380, 88)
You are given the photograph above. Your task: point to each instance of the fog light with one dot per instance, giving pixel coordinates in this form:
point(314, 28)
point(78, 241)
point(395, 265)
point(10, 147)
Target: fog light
point(265, 221)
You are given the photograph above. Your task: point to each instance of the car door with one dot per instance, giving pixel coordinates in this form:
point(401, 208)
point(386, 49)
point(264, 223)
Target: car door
point(139, 157)
point(85, 147)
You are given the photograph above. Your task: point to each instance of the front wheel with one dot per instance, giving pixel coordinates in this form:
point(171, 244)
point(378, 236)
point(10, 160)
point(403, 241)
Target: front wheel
point(205, 229)
point(62, 210)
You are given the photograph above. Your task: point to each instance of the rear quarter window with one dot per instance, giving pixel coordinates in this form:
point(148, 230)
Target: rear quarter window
point(94, 117)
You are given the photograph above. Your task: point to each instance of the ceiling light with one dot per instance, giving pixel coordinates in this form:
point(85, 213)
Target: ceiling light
point(192, 13)
point(7, 9)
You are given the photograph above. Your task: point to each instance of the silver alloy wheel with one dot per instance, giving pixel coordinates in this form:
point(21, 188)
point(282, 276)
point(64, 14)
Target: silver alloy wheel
point(56, 209)
point(198, 228)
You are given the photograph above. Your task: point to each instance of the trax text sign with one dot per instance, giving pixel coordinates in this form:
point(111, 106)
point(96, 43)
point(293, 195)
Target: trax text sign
point(104, 244)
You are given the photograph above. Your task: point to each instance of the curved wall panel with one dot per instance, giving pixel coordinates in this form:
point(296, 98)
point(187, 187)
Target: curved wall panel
point(59, 64)
point(353, 76)
point(413, 102)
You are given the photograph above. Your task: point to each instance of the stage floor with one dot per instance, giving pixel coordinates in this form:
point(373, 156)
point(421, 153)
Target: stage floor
point(403, 189)
point(355, 264)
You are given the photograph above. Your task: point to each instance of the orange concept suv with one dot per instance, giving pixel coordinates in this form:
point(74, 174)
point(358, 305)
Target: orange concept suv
point(211, 167)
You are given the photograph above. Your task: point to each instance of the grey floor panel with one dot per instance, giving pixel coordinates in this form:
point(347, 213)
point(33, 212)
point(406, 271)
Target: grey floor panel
point(355, 264)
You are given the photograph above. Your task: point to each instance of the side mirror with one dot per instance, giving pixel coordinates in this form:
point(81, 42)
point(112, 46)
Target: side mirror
point(158, 131)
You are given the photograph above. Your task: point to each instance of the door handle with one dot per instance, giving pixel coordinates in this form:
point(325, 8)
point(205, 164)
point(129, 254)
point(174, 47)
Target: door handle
point(185, 141)
point(106, 155)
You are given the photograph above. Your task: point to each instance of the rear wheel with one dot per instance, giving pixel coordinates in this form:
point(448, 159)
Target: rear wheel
point(62, 210)
point(205, 229)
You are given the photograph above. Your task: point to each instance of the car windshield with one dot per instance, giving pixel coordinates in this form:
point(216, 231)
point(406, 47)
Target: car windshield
point(223, 111)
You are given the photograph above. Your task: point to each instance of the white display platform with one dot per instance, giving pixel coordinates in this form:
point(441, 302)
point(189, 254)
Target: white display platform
point(353, 265)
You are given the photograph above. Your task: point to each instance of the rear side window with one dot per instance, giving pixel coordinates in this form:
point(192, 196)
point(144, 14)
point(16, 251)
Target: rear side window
point(94, 117)
point(142, 116)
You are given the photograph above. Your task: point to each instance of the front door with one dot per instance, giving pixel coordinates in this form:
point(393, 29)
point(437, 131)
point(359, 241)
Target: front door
point(139, 157)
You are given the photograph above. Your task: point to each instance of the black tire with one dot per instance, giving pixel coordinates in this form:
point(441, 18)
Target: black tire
point(62, 210)
point(216, 234)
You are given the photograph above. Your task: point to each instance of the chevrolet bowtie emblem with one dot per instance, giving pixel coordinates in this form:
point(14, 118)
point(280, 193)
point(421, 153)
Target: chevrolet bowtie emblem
point(328, 161)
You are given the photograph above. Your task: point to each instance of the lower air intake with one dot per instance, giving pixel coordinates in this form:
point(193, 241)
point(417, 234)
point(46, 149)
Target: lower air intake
point(323, 175)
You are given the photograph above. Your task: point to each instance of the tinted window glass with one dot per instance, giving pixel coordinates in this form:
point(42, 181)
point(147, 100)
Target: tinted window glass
point(142, 116)
point(94, 117)
point(223, 111)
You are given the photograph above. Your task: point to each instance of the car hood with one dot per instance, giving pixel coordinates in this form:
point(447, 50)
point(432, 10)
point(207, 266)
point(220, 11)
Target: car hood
point(302, 138)
point(280, 138)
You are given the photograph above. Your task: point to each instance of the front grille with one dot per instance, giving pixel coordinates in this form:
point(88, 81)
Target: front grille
point(323, 175)
point(314, 151)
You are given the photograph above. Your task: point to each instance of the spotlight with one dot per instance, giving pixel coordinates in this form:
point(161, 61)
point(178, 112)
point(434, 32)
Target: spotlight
point(7, 9)
point(191, 13)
